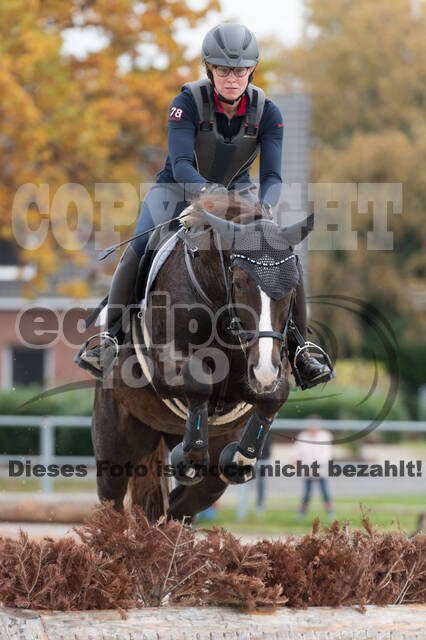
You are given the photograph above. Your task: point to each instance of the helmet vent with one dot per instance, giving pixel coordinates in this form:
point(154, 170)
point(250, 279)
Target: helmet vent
point(218, 37)
point(247, 40)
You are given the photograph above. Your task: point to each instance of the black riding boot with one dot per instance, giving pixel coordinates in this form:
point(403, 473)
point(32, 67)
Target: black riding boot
point(307, 370)
point(100, 359)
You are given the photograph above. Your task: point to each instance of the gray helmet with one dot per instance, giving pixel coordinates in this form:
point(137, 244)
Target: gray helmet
point(230, 45)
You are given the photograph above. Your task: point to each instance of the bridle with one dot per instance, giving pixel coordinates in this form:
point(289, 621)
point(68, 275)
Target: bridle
point(246, 338)
point(235, 326)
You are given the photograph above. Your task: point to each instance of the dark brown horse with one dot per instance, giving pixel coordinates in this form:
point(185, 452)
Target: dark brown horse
point(212, 342)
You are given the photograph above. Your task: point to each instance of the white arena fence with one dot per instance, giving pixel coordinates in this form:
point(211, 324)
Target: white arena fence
point(48, 424)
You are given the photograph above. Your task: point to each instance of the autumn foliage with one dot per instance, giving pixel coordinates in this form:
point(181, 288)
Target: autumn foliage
point(74, 118)
point(122, 561)
point(364, 66)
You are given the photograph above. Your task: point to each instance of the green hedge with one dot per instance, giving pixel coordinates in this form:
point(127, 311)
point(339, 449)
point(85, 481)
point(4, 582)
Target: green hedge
point(68, 403)
point(25, 441)
point(334, 403)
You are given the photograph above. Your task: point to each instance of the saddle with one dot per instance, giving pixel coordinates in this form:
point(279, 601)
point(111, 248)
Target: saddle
point(157, 239)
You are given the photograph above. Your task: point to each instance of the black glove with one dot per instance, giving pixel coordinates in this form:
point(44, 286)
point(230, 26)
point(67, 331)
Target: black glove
point(213, 187)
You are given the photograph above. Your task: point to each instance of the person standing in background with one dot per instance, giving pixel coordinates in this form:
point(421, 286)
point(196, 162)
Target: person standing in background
point(313, 444)
point(260, 483)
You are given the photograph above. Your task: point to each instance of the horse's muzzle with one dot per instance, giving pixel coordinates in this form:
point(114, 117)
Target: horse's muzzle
point(264, 380)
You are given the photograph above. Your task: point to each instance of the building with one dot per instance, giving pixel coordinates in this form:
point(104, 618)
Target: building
point(39, 338)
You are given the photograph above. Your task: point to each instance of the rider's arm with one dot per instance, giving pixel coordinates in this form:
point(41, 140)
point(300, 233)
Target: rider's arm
point(182, 126)
point(271, 131)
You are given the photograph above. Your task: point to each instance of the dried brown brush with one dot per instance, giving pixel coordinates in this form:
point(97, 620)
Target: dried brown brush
point(286, 568)
point(325, 569)
point(159, 557)
point(124, 560)
point(236, 573)
point(338, 567)
point(398, 569)
point(61, 575)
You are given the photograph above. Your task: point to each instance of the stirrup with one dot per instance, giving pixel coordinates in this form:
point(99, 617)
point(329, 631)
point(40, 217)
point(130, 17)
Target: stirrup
point(308, 384)
point(98, 373)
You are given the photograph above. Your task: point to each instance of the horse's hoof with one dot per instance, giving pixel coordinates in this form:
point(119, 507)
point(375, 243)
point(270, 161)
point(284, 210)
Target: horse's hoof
point(187, 471)
point(232, 470)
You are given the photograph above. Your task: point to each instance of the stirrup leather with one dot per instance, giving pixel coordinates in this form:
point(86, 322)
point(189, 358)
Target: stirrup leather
point(307, 384)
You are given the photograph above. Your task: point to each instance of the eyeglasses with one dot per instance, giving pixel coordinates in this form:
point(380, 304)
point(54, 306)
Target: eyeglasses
point(239, 72)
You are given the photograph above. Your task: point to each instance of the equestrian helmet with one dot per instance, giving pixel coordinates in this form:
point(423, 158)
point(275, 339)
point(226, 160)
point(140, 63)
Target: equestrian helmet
point(230, 45)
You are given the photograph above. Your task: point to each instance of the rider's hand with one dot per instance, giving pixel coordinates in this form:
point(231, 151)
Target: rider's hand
point(266, 210)
point(213, 188)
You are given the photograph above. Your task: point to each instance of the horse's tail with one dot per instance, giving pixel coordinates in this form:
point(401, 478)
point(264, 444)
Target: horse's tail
point(151, 490)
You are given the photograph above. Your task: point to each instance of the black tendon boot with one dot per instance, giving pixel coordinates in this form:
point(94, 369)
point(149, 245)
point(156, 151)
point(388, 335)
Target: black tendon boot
point(100, 359)
point(307, 370)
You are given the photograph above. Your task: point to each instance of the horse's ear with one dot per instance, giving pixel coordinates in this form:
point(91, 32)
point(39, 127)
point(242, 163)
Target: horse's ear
point(295, 233)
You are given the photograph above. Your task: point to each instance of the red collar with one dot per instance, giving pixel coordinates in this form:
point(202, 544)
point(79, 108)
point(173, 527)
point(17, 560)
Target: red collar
point(242, 109)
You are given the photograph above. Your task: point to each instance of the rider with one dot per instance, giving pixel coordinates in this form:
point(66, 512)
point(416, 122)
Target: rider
point(216, 127)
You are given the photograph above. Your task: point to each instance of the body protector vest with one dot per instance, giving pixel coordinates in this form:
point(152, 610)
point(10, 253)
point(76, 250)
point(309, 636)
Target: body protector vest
point(219, 159)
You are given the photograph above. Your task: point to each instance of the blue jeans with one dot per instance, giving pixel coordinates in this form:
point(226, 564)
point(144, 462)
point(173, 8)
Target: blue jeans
point(308, 489)
point(165, 201)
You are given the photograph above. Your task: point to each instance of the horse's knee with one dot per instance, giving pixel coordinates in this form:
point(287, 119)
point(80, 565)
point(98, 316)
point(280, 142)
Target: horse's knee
point(112, 489)
point(178, 506)
point(186, 501)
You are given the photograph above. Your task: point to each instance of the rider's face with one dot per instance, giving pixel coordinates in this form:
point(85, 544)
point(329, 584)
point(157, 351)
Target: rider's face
point(231, 86)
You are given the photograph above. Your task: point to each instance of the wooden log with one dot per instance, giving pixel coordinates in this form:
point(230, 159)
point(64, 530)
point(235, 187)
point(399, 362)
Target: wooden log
point(394, 622)
point(40, 509)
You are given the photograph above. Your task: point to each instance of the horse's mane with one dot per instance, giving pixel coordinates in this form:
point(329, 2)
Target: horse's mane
point(229, 207)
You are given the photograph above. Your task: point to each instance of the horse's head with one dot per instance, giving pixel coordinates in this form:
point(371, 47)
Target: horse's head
point(263, 276)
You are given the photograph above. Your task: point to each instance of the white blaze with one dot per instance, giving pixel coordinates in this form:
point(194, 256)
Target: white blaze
point(264, 371)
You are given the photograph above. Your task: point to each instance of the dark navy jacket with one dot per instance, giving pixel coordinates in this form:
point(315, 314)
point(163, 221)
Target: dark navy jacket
point(183, 120)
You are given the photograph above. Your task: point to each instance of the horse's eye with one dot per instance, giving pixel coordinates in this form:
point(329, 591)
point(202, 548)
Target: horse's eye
point(238, 285)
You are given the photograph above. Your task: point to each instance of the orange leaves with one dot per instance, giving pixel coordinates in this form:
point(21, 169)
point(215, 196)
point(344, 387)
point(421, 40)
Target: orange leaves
point(77, 289)
point(364, 65)
point(85, 118)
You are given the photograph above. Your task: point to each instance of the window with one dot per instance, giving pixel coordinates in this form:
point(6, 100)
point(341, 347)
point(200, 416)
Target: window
point(28, 366)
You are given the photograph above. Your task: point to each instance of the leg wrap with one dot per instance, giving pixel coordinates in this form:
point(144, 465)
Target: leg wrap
point(255, 432)
point(196, 429)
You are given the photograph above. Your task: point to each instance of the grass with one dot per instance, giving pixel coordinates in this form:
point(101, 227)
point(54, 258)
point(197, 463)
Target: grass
point(280, 517)
point(59, 486)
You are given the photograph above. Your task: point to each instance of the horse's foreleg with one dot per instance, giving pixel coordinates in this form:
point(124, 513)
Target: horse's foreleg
point(238, 459)
point(186, 501)
point(190, 458)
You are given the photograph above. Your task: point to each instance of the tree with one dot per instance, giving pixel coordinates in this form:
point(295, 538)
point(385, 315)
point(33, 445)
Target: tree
point(364, 64)
point(65, 118)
